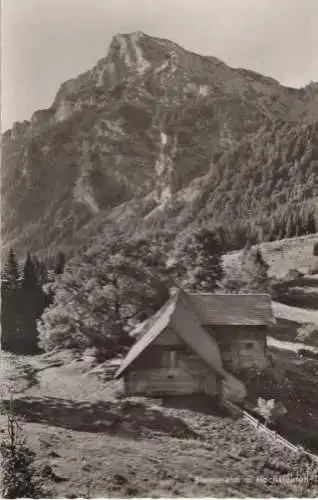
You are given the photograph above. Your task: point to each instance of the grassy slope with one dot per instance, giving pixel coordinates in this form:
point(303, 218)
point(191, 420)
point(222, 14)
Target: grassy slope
point(156, 464)
point(105, 446)
point(298, 298)
point(282, 255)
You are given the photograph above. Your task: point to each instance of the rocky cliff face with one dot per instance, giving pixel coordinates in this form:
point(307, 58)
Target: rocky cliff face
point(155, 132)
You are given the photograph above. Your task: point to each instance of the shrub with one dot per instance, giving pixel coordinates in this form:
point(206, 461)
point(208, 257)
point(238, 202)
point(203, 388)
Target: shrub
point(311, 366)
point(313, 269)
point(294, 274)
point(315, 249)
point(308, 353)
point(307, 332)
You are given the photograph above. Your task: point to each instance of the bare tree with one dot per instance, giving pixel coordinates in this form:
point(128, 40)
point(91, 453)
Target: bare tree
point(19, 476)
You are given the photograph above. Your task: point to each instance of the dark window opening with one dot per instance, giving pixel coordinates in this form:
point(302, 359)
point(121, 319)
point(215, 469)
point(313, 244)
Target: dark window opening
point(169, 359)
point(249, 345)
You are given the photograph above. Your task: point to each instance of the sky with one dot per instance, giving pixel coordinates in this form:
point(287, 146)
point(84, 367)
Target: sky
point(45, 42)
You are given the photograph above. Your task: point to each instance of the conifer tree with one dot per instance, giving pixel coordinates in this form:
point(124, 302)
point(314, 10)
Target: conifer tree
point(43, 274)
point(29, 280)
point(40, 270)
point(199, 262)
point(249, 275)
point(261, 270)
point(60, 263)
point(311, 226)
point(10, 274)
point(11, 321)
point(33, 303)
point(290, 228)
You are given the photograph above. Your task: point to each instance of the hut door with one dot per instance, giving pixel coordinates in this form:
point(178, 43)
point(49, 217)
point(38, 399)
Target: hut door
point(201, 383)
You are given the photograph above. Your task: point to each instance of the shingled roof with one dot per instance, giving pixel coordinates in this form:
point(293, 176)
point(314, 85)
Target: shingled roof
point(151, 330)
point(233, 309)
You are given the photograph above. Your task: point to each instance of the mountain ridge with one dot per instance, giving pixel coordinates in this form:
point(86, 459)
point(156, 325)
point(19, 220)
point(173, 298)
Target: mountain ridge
point(72, 85)
point(148, 127)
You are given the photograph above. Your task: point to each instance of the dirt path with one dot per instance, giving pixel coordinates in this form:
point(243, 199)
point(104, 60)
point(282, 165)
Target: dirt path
point(296, 314)
point(288, 345)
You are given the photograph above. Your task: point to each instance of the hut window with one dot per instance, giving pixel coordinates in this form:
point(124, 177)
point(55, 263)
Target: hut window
point(249, 345)
point(169, 359)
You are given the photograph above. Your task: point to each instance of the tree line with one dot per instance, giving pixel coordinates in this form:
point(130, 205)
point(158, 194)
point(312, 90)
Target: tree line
point(95, 299)
point(292, 220)
point(23, 300)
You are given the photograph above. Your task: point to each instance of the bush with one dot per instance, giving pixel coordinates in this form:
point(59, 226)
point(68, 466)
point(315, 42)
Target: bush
point(311, 366)
point(313, 269)
point(307, 353)
point(315, 249)
point(293, 274)
point(307, 332)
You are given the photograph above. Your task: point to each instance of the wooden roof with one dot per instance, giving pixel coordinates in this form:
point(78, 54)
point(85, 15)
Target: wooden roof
point(152, 329)
point(233, 309)
point(180, 316)
point(186, 324)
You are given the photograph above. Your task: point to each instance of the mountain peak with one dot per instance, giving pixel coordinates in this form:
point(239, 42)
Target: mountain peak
point(134, 34)
point(126, 52)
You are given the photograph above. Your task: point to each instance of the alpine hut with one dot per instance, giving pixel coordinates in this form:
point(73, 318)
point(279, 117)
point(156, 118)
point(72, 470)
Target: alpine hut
point(196, 342)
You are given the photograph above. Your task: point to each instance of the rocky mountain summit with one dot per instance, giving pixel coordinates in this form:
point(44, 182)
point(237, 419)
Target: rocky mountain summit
point(157, 137)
